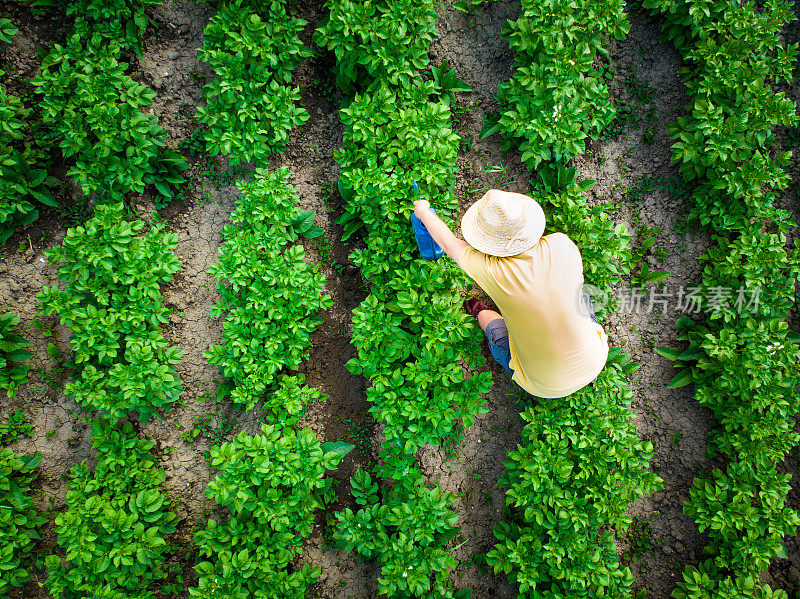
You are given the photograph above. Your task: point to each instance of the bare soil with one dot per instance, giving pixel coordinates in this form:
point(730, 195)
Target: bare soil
point(645, 79)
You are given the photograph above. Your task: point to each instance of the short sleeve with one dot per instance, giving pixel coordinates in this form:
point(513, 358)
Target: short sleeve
point(473, 263)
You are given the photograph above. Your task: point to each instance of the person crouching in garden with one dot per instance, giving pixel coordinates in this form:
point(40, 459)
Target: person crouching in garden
point(545, 334)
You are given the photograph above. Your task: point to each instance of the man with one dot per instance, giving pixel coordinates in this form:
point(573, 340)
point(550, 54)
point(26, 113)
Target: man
point(545, 334)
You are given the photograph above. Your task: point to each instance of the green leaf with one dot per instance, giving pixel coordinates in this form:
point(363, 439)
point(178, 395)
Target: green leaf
point(491, 125)
point(19, 355)
point(339, 447)
point(656, 275)
point(313, 232)
point(669, 353)
point(303, 221)
point(683, 378)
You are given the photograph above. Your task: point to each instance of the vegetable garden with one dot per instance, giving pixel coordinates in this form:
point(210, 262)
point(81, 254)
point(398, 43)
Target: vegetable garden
point(226, 372)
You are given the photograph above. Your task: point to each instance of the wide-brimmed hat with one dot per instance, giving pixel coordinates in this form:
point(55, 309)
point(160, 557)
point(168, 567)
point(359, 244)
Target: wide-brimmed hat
point(503, 223)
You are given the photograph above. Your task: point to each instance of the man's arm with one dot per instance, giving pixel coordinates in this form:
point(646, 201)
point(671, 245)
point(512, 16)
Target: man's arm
point(441, 233)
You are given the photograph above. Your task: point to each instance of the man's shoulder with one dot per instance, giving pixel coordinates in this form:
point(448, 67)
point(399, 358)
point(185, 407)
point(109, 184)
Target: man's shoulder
point(558, 238)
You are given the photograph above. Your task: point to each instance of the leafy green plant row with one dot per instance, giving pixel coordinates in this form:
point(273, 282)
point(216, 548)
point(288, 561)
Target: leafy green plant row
point(12, 353)
point(742, 359)
point(19, 520)
point(122, 22)
point(410, 333)
point(97, 110)
point(580, 466)
point(271, 485)
point(113, 267)
point(269, 295)
point(20, 179)
point(112, 536)
point(411, 337)
point(250, 110)
point(556, 98)
point(581, 463)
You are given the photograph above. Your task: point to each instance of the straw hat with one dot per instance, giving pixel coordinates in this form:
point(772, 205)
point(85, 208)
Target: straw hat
point(503, 223)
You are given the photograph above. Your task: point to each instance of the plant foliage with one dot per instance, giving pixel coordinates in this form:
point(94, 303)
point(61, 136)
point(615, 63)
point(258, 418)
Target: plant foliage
point(19, 520)
point(411, 336)
point(90, 101)
point(250, 110)
point(580, 466)
point(112, 533)
point(271, 483)
point(404, 529)
point(742, 359)
point(269, 294)
point(555, 98)
point(12, 353)
point(378, 41)
point(113, 267)
point(20, 180)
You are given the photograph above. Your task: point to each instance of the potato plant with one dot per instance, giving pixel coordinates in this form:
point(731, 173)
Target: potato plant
point(743, 358)
point(580, 466)
point(581, 463)
point(121, 21)
point(403, 528)
point(271, 484)
point(112, 536)
point(269, 294)
point(113, 267)
point(253, 49)
point(12, 353)
point(411, 336)
point(19, 520)
point(556, 98)
point(378, 41)
point(20, 178)
point(97, 110)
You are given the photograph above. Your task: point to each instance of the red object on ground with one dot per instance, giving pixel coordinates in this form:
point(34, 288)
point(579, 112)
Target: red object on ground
point(473, 305)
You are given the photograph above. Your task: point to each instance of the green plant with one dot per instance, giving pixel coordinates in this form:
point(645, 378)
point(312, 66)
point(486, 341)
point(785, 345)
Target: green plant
point(20, 180)
point(120, 22)
point(378, 41)
point(271, 483)
point(410, 333)
point(117, 517)
point(7, 30)
point(96, 108)
point(260, 256)
point(17, 426)
point(556, 98)
point(404, 529)
point(113, 268)
point(12, 353)
point(561, 492)
point(19, 520)
point(741, 359)
point(250, 110)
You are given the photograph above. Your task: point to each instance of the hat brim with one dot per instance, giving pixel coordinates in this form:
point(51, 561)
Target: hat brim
point(486, 242)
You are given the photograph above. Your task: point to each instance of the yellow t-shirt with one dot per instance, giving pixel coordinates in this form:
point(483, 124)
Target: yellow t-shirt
point(555, 346)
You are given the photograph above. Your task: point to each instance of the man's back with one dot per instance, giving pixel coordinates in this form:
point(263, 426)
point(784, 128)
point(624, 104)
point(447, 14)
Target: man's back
point(555, 347)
